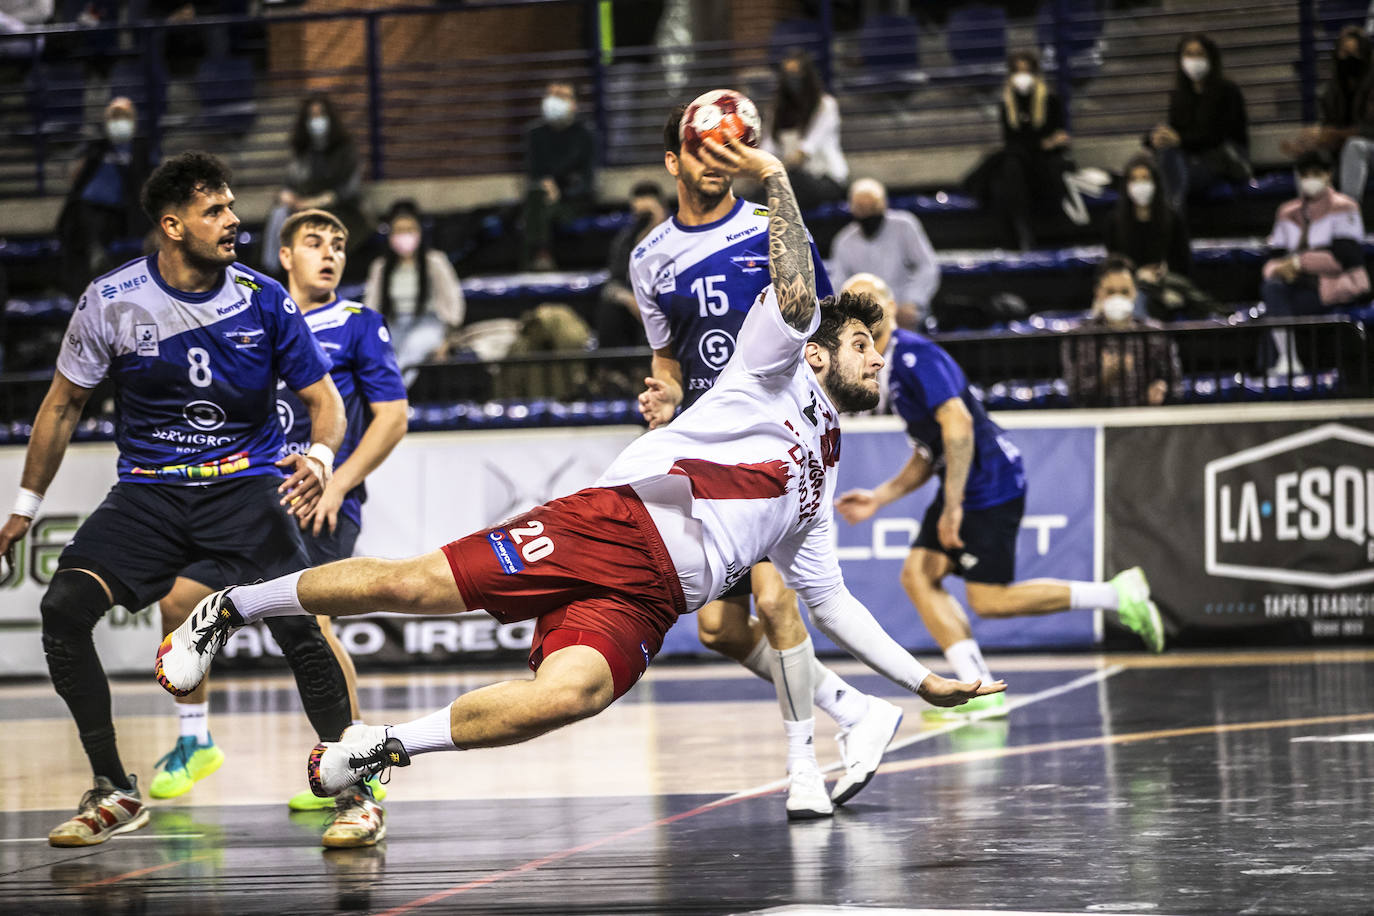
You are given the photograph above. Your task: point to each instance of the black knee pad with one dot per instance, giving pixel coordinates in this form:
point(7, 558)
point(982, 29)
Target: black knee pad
point(71, 607)
point(319, 677)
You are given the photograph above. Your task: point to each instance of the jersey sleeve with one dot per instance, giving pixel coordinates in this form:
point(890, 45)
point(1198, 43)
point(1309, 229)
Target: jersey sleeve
point(298, 358)
point(85, 355)
point(379, 375)
point(767, 344)
point(656, 327)
point(823, 285)
point(938, 375)
point(807, 560)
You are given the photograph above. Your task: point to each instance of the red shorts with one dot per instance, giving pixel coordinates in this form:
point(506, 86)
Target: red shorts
point(591, 566)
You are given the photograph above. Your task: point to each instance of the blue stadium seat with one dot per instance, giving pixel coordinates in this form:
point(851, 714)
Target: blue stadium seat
point(792, 34)
point(225, 88)
point(977, 38)
point(57, 98)
point(890, 45)
point(1083, 30)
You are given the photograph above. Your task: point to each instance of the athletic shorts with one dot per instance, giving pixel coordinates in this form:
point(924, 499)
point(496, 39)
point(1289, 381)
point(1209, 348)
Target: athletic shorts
point(323, 549)
point(989, 552)
point(144, 534)
point(743, 587)
point(591, 566)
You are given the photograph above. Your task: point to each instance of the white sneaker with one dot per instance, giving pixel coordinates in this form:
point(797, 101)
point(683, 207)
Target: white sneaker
point(362, 750)
point(185, 654)
point(358, 821)
point(806, 796)
point(862, 747)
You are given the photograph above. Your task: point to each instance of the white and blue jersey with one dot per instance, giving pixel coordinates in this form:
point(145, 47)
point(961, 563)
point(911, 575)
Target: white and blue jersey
point(923, 377)
point(364, 369)
point(195, 374)
point(695, 284)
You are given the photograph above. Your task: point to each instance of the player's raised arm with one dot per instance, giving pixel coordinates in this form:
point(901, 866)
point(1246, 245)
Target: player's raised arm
point(789, 249)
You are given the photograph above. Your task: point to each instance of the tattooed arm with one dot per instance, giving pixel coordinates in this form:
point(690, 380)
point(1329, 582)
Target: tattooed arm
point(789, 249)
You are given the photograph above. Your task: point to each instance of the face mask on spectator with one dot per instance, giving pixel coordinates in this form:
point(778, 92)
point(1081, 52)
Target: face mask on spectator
point(556, 109)
point(1023, 83)
point(869, 225)
point(318, 125)
point(1311, 185)
point(405, 244)
point(119, 130)
point(1141, 192)
point(1117, 309)
point(1197, 68)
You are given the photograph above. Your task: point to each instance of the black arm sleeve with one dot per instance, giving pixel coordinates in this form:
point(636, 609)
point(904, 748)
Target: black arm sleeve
point(1349, 252)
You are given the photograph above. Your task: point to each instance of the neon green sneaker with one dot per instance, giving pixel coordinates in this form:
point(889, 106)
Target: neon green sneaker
point(1135, 610)
point(185, 765)
point(990, 706)
point(305, 800)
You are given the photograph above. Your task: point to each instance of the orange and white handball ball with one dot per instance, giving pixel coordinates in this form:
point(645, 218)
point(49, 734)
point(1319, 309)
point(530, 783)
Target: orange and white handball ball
point(721, 115)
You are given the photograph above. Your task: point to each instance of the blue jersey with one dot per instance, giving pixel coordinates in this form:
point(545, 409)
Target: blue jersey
point(923, 377)
point(195, 374)
point(695, 284)
point(358, 344)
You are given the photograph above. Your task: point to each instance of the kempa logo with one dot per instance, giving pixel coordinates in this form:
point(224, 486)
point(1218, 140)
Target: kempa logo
point(1298, 510)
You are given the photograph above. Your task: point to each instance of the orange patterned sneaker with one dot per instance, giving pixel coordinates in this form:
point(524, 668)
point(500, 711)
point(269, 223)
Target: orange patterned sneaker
point(104, 812)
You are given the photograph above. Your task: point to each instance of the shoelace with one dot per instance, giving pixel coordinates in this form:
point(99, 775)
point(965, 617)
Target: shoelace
point(373, 764)
point(95, 797)
point(216, 631)
point(346, 803)
point(179, 757)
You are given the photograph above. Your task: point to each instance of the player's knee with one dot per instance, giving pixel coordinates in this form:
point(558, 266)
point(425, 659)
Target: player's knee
point(724, 635)
point(70, 608)
point(775, 603)
point(915, 579)
point(575, 699)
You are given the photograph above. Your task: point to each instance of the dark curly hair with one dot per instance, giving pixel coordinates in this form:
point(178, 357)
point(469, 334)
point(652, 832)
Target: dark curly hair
point(837, 311)
point(672, 130)
point(176, 182)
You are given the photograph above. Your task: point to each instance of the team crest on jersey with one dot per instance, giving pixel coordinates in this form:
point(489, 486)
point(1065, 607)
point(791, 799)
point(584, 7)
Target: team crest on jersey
point(244, 338)
point(716, 348)
point(146, 337)
point(248, 282)
point(749, 262)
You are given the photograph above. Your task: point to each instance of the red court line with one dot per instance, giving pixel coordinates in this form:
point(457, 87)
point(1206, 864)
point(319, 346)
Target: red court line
point(137, 873)
point(563, 854)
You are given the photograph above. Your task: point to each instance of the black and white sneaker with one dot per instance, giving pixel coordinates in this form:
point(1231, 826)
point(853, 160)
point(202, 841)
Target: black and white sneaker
point(362, 751)
point(185, 655)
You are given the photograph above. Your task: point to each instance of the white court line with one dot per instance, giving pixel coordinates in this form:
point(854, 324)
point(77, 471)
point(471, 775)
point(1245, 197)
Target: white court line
point(1362, 736)
point(805, 910)
point(926, 735)
point(123, 838)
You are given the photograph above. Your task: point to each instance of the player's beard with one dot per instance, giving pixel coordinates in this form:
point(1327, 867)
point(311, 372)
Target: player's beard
point(705, 202)
point(206, 257)
point(850, 394)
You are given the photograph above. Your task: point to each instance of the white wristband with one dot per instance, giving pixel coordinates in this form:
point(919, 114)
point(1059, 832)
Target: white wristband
point(27, 503)
point(324, 455)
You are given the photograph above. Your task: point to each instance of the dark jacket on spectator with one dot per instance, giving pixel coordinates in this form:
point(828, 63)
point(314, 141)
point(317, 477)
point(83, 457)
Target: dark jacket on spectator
point(1216, 115)
point(566, 154)
point(1029, 119)
point(132, 174)
point(1164, 237)
point(1337, 103)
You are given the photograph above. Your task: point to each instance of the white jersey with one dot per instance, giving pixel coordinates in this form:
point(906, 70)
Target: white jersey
point(751, 464)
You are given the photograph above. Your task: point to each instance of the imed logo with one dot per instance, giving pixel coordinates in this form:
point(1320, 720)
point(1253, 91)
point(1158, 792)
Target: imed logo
point(1298, 510)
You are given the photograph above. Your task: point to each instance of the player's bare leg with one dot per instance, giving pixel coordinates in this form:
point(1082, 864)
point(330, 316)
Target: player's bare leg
point(573, 683)
point(725, 626)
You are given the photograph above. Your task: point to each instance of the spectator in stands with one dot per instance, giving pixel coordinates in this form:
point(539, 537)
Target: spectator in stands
point(560, 162)
point(891, 244)
point(1206, 136)
point(1321, 235)
point(102, 203)
point(1028, 172)
point(325, 173)
point(1119, 370)
point(416, 289)
point(1338, 106)
point(803, 130)
point(617, 315)
point(1145, 230)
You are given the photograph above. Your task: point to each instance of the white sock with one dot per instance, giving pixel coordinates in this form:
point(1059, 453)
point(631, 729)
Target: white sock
point(1088, 596)
point(757, 659)
point(792, 677)
point(801, 742)
point(968, 662)
point(427, 733)
point(276, 598)
point(194, 719)
point(837, 699)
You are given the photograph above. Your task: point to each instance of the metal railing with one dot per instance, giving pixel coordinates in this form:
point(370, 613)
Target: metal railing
point(902, 82)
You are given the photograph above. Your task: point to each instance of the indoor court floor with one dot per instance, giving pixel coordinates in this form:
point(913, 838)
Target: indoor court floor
point(1237, 782)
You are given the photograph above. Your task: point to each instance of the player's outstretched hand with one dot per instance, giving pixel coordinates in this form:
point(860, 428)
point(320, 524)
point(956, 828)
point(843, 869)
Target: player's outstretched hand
point(736, 158)
point(857, 506)
point(325, 517)
point(13, 531)
point(303, 485)
point(941, 691)
point(656, 402)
